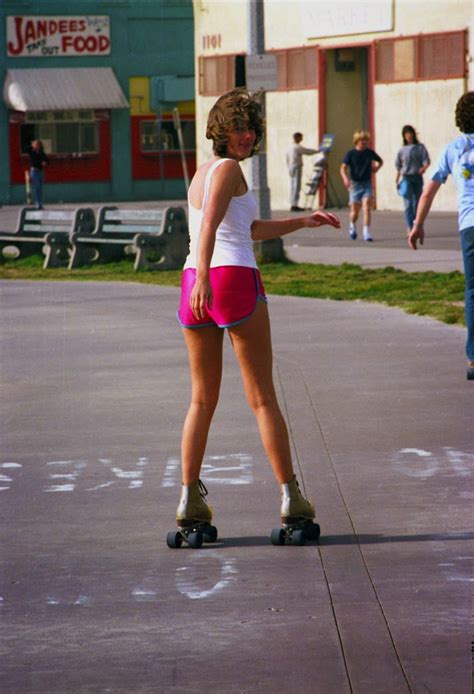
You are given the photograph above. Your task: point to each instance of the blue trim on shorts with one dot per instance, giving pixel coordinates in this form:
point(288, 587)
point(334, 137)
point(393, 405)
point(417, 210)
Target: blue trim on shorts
point(212, 324)
point(202, 325)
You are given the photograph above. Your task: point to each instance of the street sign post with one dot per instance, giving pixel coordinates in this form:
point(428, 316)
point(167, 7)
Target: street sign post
point(261, 72)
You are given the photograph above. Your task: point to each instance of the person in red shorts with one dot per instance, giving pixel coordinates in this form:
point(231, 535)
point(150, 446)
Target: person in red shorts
point(222, 288)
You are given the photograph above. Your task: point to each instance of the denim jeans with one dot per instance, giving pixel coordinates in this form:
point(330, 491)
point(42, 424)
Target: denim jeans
point(36, 177)
point(359, 190)
point(467, 245)
point(410, 200)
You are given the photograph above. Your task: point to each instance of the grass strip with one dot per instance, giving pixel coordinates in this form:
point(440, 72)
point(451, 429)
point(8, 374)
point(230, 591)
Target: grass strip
point(435, 294)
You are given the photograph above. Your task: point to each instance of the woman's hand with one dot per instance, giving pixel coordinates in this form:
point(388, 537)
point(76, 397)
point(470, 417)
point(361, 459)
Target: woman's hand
point(201, 297)
point(416, 234)
point(319, 219)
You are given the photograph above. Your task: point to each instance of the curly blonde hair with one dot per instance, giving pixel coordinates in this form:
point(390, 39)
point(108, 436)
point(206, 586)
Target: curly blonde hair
point(235, 110)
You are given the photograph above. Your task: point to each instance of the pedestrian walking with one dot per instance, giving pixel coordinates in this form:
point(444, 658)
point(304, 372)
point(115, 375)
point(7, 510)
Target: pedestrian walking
point(411, 163)
point(294, 162)
point(38, 160)
point(357, 168)
point(222, 288)
point(457, 158)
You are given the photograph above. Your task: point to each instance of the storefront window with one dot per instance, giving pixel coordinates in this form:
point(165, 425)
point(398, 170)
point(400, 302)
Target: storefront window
point(61, 132)
point(424, 57)
point(155, 137)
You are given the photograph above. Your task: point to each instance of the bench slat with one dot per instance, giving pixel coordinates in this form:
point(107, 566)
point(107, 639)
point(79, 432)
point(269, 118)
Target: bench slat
point(44, 229)
point(134, 215)
point(130, 229)
point(15, 238)
point(94, 240)
point(50, 214)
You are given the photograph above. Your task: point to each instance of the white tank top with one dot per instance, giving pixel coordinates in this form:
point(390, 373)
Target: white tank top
point(234, 245)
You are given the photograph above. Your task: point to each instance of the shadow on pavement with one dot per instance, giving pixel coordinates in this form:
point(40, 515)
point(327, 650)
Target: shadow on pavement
point(333, 540)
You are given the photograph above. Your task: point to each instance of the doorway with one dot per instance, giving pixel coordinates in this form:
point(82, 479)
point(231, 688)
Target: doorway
point(345, 105)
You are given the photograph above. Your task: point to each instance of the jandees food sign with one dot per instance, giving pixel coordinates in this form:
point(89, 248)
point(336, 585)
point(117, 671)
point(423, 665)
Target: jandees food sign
point(32, 37)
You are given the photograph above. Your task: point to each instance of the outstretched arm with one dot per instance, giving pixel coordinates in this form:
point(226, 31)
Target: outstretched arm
point(264, 230)
point(308, 150)
point(417, 232)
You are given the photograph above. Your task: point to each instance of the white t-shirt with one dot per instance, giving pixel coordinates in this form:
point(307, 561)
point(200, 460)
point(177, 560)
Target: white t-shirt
point(294, 157)
point(234, 244)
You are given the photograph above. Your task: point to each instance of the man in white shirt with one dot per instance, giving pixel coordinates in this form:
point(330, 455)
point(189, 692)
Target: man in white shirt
point(294, 161)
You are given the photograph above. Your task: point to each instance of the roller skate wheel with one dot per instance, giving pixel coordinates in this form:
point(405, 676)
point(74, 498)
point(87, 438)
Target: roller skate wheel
point(312, 531)
point(174, 539)
point(195, 539)
point(209, 533)
point(278, 536)
point(298, 537)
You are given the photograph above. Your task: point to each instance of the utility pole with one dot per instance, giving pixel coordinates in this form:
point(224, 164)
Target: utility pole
point(269, 250)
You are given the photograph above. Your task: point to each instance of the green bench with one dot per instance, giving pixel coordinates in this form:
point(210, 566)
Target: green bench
point(47, 232)
point(157, 238)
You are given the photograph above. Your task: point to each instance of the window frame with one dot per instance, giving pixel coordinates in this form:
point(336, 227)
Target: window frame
point(229, 59)
point(418, 38)
point(283, 57)
point(157, 152)
point(52, 119)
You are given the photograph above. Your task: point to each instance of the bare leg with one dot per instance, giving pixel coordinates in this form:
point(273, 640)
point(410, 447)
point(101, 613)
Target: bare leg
point(251, 341)
point(205, 361)
point(354, 213)
point(366, 208)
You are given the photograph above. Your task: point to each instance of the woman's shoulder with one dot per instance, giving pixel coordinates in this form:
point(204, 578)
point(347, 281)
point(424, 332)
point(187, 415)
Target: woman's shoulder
point(212, 168)
point(227, 164)
point(226, 171)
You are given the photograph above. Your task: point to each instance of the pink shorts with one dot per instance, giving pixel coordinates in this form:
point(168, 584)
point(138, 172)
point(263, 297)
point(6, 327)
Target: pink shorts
point(236, 291)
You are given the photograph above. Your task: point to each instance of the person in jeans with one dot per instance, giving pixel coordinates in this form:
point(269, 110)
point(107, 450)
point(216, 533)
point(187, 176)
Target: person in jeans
point(38, 160)
point(457, 158)
point(356, 171)
point(411, 163)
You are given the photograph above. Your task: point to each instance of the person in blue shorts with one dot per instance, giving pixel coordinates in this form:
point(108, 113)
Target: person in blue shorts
point(357, 168)
point(457, 158)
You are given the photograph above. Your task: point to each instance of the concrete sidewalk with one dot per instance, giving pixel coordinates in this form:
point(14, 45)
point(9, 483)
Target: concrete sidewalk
point(94, 390)
point(440, 253)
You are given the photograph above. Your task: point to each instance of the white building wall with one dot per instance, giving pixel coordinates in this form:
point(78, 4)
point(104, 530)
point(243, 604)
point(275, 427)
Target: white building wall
point(287, 113)
point(428, 105)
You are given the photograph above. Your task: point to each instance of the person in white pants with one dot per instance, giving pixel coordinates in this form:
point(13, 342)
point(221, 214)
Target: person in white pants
point(294, 161)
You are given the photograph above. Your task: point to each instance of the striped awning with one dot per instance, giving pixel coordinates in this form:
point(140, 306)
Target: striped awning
point(57, 89)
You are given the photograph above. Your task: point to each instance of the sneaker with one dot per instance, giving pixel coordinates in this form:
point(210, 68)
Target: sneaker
point(352, 233)
point(470, 370)
point(367, 237)
point(295, 208)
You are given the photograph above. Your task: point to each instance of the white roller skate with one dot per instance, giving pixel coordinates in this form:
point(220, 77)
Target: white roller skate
point(194, 517)
point(297, 514)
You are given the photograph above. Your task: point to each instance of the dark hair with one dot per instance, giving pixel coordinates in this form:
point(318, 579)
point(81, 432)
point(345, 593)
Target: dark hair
point(409, 129)
point(235, 110)
point(465, 113)
point(297, 136)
